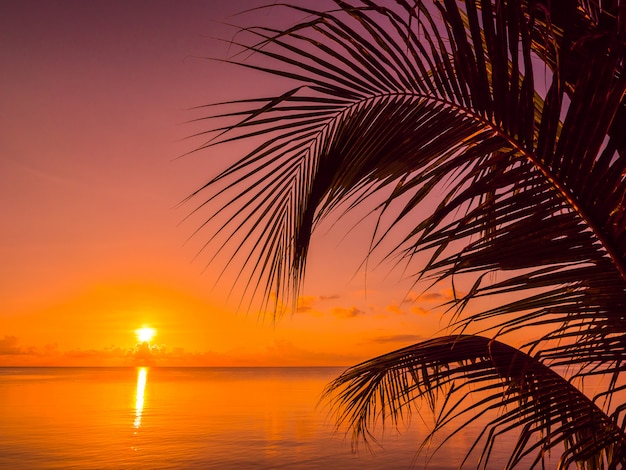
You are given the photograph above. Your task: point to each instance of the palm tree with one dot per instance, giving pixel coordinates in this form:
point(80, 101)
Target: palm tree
point(512, 115)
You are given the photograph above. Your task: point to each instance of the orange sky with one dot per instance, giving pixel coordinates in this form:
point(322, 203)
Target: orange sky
point(95, 97)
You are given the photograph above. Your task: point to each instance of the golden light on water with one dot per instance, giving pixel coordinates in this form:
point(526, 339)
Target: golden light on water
point(142, 376)
point(145, 334)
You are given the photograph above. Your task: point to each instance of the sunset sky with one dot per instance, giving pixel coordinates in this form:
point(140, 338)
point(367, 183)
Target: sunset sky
point(96, 98)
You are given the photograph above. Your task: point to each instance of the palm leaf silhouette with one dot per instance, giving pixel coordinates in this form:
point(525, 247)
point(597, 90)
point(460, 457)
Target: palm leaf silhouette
point(512, 114)
point(547, 409)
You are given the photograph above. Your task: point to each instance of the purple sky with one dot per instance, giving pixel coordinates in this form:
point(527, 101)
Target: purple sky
point(95, 99)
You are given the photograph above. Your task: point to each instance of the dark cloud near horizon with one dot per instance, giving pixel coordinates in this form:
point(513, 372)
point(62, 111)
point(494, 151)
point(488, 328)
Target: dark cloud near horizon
point(9, 346)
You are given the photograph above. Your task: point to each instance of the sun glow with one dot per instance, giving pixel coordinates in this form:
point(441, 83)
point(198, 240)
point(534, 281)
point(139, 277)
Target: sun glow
point(145, 334)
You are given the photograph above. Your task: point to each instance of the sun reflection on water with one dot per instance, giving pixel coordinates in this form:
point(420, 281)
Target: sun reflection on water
point(142, 376)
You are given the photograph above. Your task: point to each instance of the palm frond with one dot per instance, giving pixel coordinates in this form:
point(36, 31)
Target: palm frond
point(407, 101)
point(464, 377)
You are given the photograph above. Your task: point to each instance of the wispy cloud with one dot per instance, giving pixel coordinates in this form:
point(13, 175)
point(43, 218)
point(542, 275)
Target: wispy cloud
point(432, 297)
point(305, 303)
point(397, 339)
point(441, 296)
point(350, 312)
point(419, 310)
point(395, 308)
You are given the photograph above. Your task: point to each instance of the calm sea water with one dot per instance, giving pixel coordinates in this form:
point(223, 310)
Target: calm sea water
point(206, 418)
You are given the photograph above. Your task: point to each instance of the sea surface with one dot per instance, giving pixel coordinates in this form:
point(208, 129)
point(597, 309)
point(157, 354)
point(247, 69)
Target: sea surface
point(192, 418)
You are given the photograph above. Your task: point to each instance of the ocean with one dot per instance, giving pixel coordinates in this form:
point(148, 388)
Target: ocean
point(192, 418)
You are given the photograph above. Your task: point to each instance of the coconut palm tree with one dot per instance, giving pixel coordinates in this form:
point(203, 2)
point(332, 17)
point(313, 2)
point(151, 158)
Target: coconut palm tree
point(510, 115)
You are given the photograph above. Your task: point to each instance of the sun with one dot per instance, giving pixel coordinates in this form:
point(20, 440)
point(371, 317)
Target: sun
point(145, 334)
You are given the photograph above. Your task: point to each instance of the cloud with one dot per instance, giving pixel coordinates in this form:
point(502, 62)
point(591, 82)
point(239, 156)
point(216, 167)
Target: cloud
point(432, 297)
point(141, 354)
point(410, 298)
point(395, 308)
point(305, 303)
point(441, 296)
point(113, 352)
point(351, 312)
point(397, 339)
point(13, 354)
point(419, 310)
point(9, 346)
point(277, 353)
